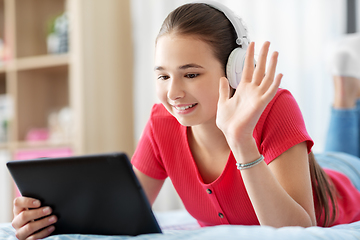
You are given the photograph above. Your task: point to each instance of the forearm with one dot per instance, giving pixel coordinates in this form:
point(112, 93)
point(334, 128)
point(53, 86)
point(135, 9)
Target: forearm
point(150, 185)
point(272, 204)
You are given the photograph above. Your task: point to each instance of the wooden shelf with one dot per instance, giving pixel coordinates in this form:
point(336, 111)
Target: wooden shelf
point(32, 21)
point(2, 68)
point(93, 79)
point(36, 62)
point(4, 146)
point(37, 82)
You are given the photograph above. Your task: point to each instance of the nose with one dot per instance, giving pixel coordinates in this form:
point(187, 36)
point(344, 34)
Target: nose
point(175, 89)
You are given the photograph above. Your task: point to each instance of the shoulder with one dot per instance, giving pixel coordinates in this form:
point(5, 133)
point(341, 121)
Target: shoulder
point(282, 106)
point(159, 111)
point(281, 126)
point(282, 99)
point(161, 121)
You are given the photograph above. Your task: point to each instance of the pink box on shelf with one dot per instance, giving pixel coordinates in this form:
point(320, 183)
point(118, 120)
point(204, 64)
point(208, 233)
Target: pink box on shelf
point(41, 153)
point(26, 154)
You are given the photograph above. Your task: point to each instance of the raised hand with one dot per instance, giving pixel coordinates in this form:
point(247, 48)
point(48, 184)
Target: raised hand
point(238, 115)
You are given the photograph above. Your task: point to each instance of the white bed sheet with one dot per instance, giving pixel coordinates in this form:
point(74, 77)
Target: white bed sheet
point(172, 222)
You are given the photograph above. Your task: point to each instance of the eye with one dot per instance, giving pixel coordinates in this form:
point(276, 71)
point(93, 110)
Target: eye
point(192, 75)
point(163, 77)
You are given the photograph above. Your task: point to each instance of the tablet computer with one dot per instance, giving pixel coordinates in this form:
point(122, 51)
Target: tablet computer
point(91, 194)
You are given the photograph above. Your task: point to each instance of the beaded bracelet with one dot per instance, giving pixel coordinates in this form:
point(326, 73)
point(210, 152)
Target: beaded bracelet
point(242, 166)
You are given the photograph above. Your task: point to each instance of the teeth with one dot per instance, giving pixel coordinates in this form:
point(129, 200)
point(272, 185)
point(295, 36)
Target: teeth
point(184, 107)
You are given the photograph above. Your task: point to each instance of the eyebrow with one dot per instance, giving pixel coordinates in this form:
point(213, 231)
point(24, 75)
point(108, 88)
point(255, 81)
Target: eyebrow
point(186, 66)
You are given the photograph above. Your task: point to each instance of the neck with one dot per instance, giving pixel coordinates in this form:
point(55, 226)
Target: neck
point(209, 137)
point(209, 149)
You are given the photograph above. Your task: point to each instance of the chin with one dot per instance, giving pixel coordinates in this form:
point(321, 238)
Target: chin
point(187, 122)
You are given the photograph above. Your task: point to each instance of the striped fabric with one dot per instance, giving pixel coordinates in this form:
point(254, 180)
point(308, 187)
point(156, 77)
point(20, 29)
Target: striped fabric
point(163, 151)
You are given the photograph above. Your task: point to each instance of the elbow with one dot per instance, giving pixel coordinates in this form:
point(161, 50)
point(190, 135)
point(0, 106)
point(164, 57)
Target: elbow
point(304, 222)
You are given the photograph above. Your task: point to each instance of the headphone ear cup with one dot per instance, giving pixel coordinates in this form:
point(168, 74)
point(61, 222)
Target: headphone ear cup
point(234, 66)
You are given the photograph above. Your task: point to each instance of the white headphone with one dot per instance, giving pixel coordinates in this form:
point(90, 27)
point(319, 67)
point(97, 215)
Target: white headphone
point(236, 60)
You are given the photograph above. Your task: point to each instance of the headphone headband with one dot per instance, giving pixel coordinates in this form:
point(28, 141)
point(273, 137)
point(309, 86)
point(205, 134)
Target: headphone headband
point(236, 59)
point(235, 21)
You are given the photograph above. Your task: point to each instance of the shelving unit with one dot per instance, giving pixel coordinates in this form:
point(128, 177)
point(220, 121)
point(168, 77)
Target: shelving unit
point(36, 82)
point(93, 79)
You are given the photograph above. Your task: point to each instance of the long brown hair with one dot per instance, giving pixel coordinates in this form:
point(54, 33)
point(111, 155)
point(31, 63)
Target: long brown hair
point(212, 26)
point(324, 192)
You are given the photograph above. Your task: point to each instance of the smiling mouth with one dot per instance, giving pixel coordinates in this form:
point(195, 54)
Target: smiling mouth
point(183, 108)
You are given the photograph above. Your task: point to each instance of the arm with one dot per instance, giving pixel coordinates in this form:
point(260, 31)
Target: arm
point(281, 193)
point(291, 169)
point(150, 185)
point(24, 219)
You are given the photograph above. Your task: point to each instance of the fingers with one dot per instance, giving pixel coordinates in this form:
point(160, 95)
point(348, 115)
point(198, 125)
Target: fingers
point(248, 71)
point(276, 83)
point(261, 64)
point(42, 234)
point(265, 78)
point(25, 221)
point(23, 203)
point(261, 75)
point(28, 230)
point(30, 215)
point(224, 90)
point(268, 79)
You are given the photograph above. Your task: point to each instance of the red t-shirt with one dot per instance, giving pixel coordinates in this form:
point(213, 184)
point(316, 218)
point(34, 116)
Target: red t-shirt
point(163, 151)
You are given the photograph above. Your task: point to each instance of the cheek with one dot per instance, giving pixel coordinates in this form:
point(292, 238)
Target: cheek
point(212, 89)
point(161, 93)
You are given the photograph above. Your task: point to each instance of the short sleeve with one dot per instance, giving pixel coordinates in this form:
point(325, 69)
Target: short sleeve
point(280, 127)
point(147, 157)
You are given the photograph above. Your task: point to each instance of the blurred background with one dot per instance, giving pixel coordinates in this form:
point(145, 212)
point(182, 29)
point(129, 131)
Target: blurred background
point(76, 77)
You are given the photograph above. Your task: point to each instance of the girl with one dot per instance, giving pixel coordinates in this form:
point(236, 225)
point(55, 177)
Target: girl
point(234, 156)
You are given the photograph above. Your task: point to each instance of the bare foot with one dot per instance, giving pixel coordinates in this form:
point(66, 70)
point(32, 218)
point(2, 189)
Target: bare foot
point(346, 91)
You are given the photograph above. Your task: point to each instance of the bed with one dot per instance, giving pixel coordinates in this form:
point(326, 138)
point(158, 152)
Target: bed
point(180, 225)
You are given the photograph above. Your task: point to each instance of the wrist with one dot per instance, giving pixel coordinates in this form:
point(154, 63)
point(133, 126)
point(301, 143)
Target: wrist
point(242, 166)
point(245, 150)
point(240, 142)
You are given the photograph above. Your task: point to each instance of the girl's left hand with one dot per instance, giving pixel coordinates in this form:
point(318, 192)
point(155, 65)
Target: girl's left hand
point(237, 116)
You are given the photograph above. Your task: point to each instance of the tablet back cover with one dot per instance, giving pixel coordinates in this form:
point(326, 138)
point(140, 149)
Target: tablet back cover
point(95, 194)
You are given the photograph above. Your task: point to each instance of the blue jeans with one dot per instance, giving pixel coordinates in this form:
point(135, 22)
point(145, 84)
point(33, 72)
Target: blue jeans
point(342, 144)
point(345, 163)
